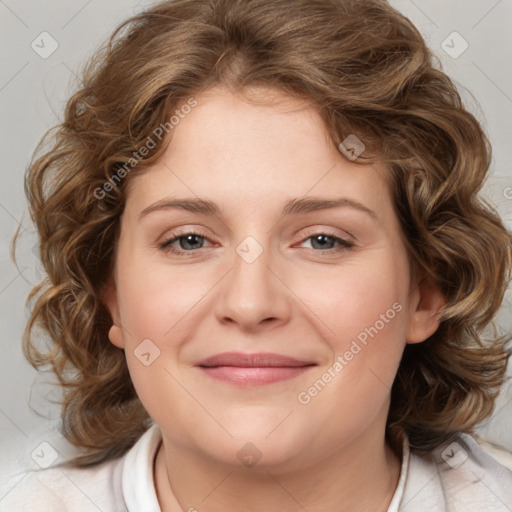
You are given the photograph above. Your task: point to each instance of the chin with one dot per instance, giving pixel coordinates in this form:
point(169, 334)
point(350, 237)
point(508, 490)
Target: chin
point(260, 445)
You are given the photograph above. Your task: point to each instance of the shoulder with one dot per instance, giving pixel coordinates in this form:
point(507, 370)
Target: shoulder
point(460, 475)
point(62, 488)
point(113, 486)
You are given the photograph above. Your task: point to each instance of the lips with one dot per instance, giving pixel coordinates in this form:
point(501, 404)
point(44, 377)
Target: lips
point(253, 369)
point(253, 360)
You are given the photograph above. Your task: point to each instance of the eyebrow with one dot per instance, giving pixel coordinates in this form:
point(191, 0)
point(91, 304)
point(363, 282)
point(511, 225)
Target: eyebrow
point(293, 207)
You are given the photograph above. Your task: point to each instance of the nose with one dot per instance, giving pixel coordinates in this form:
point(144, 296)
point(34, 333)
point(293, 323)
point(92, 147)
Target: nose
point(253, 295)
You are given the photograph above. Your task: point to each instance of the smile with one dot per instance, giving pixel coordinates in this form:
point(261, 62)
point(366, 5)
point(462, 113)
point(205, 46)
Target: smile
point(253, 369)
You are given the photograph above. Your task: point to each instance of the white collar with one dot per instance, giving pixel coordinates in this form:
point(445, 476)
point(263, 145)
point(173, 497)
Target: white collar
point(404, 470)
point(138, 481)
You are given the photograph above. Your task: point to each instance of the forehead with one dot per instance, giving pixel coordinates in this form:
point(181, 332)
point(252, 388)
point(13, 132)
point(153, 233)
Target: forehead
point(258, 147)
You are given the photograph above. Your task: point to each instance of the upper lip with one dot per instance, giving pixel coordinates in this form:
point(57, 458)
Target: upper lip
point(264, 359)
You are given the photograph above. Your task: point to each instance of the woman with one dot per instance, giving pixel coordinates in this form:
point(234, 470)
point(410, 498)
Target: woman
point(268, 269)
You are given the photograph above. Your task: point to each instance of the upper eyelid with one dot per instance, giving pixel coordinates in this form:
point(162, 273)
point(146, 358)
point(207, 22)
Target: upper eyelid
point(181, 234)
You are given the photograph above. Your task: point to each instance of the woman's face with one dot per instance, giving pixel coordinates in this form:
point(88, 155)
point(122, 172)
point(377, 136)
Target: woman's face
point(262, 289)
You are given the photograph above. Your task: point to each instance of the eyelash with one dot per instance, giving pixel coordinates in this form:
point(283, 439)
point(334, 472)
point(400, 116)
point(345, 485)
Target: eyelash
point(166, 246)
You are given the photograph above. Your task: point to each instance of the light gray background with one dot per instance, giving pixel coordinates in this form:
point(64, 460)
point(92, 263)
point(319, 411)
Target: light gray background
point(33, 92)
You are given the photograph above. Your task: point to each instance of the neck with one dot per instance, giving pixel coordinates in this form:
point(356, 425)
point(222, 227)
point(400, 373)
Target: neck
point(359, 477)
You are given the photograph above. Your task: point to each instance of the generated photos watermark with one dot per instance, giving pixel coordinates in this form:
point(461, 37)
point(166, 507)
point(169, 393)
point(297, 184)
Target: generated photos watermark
point(158, 133)
point(305, 397)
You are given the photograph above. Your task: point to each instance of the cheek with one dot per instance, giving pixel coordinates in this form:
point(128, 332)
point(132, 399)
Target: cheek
point(352, 297)
point(155, 301)
point(365, 311)
point(155, 297)
point(364, 307)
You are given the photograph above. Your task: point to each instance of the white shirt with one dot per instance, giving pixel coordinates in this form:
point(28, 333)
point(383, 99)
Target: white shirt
point(461, 476)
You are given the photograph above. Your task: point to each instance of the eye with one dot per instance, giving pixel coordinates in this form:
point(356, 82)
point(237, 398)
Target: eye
point(325, 242)
point(189, 242)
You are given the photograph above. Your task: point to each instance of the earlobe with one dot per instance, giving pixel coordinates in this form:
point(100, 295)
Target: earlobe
point(425, 319)
point(115, 334)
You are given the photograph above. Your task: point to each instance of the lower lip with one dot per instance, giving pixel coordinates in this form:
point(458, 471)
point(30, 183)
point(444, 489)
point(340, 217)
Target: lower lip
point(254, 376)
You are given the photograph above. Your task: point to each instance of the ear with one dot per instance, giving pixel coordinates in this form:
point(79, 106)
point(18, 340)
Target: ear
point(428, 302)
point(109, 296)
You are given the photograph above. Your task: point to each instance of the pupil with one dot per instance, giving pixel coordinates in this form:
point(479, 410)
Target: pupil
point(189, 240)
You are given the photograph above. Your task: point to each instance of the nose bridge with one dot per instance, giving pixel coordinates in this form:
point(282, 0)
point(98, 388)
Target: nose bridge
point(251, 293)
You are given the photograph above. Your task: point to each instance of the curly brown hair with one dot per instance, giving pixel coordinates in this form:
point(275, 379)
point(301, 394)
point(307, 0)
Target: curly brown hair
point(368, 71)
